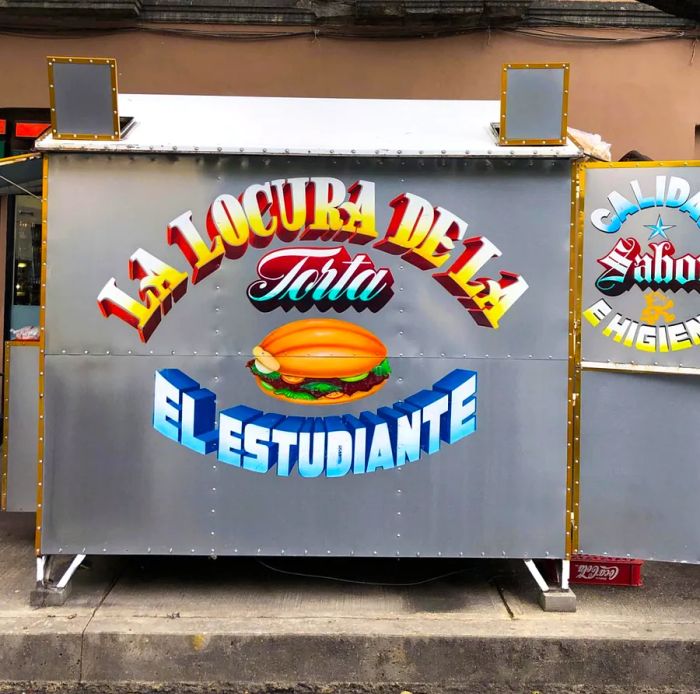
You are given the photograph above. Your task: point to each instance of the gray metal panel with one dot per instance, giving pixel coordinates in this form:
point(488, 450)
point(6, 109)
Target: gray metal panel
point(631, 303)
point(23, 427)
point(132, 200)
point(83, 98)
point(534, 103)
point(116, 484)
point(640, 478)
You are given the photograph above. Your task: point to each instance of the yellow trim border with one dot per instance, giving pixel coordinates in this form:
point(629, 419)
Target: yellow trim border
point(42, 360)
point(576, 291)
point(15, 159)
point(51, 61)
point(503, 138)
point(640, 164)
point(574, 370)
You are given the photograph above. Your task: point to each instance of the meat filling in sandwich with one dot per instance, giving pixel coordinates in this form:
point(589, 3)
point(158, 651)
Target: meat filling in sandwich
point(313, 388)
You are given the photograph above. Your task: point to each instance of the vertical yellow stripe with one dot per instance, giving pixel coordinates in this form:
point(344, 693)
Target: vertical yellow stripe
point(577, 286)
point(42, 349)
point(571, 518)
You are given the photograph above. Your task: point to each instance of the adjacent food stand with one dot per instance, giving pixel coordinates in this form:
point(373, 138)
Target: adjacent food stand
point(639, 473)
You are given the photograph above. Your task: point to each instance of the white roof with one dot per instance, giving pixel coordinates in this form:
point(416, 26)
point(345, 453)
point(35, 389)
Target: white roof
point(280, 125)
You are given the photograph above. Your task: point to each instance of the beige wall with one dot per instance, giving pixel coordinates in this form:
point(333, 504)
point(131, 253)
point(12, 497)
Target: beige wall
point(638, 96)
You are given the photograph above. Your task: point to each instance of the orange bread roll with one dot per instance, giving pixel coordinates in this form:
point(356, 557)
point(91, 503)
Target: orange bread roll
point(323, 348)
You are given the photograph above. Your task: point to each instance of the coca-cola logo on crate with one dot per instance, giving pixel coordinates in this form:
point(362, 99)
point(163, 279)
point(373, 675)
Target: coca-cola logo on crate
point(590, 572)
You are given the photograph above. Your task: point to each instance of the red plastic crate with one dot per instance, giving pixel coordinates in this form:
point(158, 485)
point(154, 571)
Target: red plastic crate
point(609, 571)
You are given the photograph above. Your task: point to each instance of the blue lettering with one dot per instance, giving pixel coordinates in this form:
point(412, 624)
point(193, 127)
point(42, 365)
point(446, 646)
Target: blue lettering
point(333, 446)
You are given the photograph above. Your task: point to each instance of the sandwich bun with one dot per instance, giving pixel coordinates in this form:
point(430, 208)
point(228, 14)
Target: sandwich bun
point(320, 348)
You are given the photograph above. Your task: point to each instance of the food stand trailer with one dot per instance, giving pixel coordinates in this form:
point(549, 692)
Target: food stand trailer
point(343, 327)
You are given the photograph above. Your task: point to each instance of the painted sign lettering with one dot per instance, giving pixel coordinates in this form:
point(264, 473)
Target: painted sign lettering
point(304, 209)
point(646, 261)
point(302, 277)
point(334, 446)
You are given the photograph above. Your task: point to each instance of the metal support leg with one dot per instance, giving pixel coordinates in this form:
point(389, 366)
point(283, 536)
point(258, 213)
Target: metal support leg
point(77, 561)
point(559, 599)
point(40, 568)
point(565, 573)
point(47, 593)
point(539, 578)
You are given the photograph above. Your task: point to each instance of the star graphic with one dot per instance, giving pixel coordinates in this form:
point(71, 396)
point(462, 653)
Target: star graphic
point(658, 229)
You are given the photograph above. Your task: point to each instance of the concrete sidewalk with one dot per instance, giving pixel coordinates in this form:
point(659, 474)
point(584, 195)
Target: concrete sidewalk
point(236, 625)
